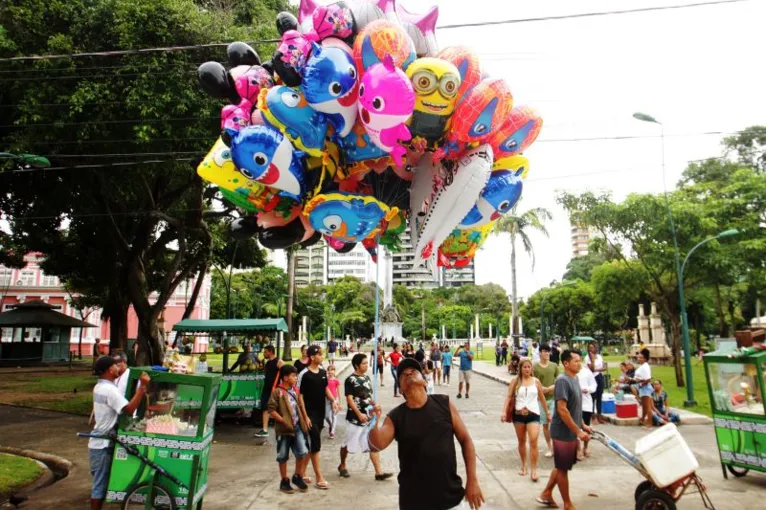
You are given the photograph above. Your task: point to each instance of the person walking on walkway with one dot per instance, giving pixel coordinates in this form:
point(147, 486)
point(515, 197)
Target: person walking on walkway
point(394, 359)
point(314, 390)
point(446, 364)
point(436, 357)
point(546, 372)
point(425, 427)
point(643, 378)
point(596, 365)
point(301, 363)
point(271, 369)
point(330, 416)
point(466, 369)
point(523, 405)
point(588, 385)
point(358, 390)
point(566, 429)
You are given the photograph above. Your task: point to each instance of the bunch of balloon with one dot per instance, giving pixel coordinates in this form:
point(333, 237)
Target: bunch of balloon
point(360, 126)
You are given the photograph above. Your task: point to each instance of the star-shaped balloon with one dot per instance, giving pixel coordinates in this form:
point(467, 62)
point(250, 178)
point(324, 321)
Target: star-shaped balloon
point(421, 28)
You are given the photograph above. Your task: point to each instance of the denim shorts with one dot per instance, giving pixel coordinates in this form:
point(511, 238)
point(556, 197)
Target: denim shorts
point(100, 466)
point(296, 443)
point(645, 390)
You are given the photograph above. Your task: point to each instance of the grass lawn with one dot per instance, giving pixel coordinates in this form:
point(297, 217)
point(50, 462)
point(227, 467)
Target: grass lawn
point(59, 391)
point(17, 472)
point(667, 374)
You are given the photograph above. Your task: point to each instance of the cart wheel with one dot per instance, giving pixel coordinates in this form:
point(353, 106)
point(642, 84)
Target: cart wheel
point(136, 498)
point(737, 471)
point(642, 487)
point(655, 500)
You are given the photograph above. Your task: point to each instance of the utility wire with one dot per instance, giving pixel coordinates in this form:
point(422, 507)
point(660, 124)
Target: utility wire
point(443, 27)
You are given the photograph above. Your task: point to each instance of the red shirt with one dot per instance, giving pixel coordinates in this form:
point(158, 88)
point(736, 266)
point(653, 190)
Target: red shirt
point(396, 357)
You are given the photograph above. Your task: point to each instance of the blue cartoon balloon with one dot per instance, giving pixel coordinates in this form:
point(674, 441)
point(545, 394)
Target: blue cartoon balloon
point(347, 217)
point(265, 155)
point(501, 193)
point(331, 86)
point(286, 109)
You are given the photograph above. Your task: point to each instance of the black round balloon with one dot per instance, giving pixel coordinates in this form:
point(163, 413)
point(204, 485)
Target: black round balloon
point(280, 238)
point(269, 66)
point(311, 241)
point(286, 21)
point(289, 75)
point(216, 81)
point(242, 54)
point(242, 229)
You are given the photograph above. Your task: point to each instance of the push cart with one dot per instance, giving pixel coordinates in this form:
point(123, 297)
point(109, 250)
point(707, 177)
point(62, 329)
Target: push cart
point(737, 383)
point(238, 390)
point(659, 491)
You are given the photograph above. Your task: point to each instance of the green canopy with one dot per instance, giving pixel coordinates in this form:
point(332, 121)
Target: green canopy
point(582, 339)
point(230, 325)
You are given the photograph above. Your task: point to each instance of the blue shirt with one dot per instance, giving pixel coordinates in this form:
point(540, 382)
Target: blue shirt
point(447, 359)
point(466, 363)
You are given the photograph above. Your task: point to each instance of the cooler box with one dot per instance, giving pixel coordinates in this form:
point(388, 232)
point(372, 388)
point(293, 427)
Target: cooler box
point(608, 404)
point(666, 456)
point(627, 409)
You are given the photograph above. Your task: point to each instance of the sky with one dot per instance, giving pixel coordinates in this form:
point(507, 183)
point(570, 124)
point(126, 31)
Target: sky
point(692, 69)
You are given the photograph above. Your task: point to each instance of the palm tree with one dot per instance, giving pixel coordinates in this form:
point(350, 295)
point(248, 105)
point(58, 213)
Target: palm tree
point(287, 356)
point(521, 225)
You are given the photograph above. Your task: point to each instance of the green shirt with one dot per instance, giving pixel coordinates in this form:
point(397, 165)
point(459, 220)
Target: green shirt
point(547, 375)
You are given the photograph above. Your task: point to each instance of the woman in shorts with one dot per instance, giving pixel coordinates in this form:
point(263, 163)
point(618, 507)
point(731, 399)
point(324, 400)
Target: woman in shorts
point(523, 404)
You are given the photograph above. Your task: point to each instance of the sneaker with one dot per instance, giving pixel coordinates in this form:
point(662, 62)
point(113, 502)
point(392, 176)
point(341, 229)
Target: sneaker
point(548, 454)
point(459, 395)
point(383, 476)
point(261, 433)
point(298, 482)
point(284, 486)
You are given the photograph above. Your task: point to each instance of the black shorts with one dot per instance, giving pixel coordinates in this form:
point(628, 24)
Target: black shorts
point(315, 436)
point(564, 454)
point(586, 416)
point(265, 402)
point(529, 418)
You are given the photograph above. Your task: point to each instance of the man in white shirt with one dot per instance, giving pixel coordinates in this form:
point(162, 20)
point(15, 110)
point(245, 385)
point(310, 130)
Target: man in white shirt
point(121, 360)
point(589, 386)
point(108, 404)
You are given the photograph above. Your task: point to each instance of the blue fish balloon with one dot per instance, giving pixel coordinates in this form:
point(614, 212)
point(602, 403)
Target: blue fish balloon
point(497, 198)
point(265, 155)
point(286, 109)
point(331, 86)
point(347, 217)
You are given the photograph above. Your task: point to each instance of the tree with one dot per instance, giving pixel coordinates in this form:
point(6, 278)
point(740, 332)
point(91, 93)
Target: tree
point(128, 234)
point(521, 226)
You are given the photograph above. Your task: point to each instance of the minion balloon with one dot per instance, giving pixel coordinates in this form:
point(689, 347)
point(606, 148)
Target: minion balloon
point(436, 83)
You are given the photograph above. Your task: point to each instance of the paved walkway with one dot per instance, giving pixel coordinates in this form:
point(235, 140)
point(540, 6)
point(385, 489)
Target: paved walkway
point(243, 475)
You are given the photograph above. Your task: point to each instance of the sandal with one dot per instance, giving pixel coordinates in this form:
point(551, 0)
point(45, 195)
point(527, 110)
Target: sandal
point(534, 478)
point(322, 485)
point(547, 502)
point(344, 473)
point(307, 479)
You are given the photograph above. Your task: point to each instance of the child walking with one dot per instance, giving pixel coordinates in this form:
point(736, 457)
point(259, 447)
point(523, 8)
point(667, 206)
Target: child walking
point(290, 426)
point(330, 417)
point(428, 374)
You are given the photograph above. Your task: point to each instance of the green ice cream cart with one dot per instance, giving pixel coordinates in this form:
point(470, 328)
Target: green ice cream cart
point(165, 442)
point(737, 386)
point(238, 390)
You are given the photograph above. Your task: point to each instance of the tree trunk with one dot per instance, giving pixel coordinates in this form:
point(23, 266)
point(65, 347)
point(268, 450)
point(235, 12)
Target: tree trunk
point(675, 346)
point(79, 341)
point(117, 313)
point(151, 348)
point(514, 303)
point(195, 293)
point(286, 353)
point(722, 328)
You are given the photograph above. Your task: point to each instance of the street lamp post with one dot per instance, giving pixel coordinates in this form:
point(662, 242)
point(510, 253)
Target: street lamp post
point(690, 402)
point(542, 312)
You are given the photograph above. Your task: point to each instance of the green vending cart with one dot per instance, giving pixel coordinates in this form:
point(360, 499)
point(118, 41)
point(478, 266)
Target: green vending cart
point(238, 390)
point(173, 429)
point(737, 386)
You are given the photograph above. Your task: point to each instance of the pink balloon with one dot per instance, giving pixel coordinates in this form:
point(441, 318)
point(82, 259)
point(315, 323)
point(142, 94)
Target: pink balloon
point(386, 102)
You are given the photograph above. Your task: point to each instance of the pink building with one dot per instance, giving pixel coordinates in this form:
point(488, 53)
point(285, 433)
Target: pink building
point(29, 283)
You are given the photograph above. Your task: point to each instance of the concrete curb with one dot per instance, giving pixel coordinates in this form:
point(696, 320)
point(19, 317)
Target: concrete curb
point(56, 467)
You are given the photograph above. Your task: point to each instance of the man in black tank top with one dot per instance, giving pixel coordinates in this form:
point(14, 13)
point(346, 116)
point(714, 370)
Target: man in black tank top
point(271, 367)
point(425, 427)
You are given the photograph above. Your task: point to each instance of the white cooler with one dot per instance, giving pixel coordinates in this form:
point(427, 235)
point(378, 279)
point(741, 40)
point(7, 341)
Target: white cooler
point(666, 456)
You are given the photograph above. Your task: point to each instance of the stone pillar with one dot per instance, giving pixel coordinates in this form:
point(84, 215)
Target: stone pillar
point(476, 329)
point(388, 293)
point(643, 326)
point(490, 330)
point(443, 330)
point(655, 323)
point(471, 336)
point(305, 330)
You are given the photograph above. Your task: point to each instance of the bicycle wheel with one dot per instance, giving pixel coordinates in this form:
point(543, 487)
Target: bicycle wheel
point(737, 471)
point(655, 500)
point(160, 498)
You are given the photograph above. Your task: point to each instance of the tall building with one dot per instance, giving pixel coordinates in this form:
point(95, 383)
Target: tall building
point(580, 239)
point(405, 274)
point(311, 265)
point(356, 263)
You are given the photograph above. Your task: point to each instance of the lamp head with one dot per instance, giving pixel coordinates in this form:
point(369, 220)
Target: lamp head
point(728, 233)
point(645, 117)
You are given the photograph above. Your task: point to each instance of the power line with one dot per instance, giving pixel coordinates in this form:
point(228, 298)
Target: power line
point(128, 121)
point(89, 76)
point(443, 27)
